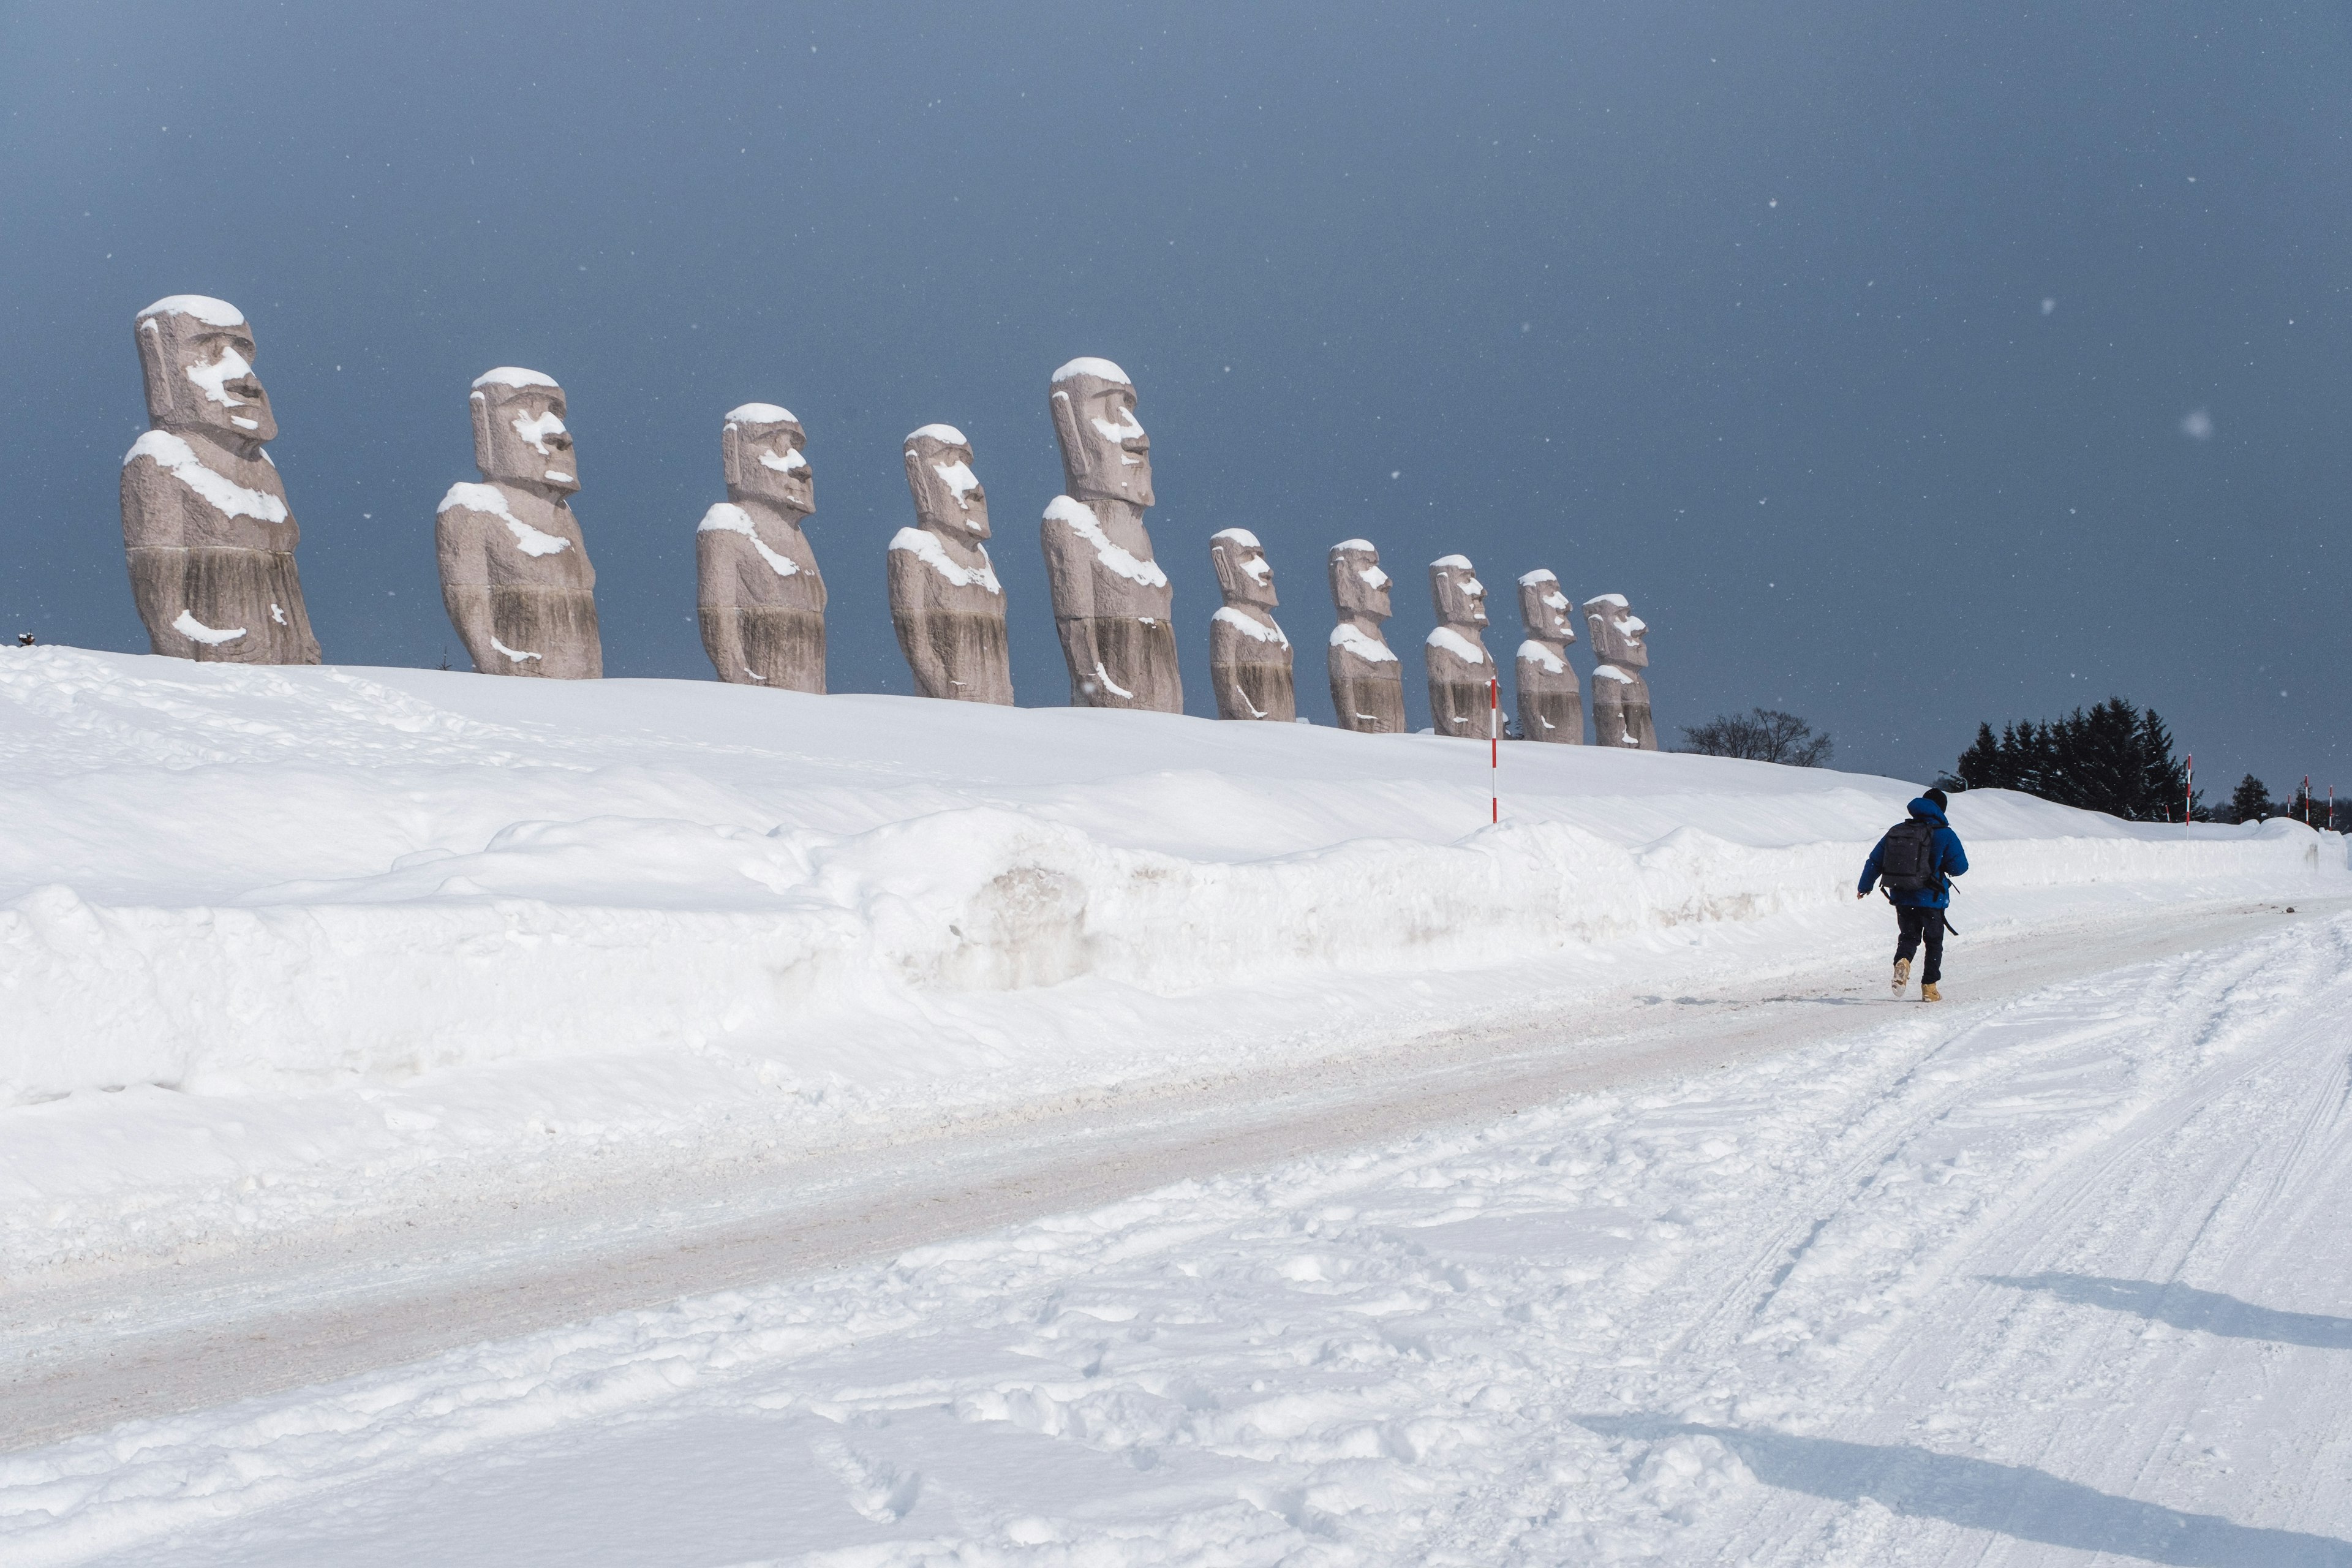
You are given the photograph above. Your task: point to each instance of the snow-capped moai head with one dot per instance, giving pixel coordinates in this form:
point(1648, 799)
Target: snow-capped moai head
point(1619, 635)
point(519, 437)
point(1245, 576)
point(764, 454)
point(1544, 609)
point(947, 496)
point(1459, 597)
point(197, 354)
point(1359, 586)
point(1106, 455)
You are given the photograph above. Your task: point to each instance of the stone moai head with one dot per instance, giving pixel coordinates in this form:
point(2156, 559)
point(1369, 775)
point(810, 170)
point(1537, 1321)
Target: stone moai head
point(1359, 586)
point(519, 437)
point(1106, 455)
point(1245, 576)
point(1455, 590)
point(946, 493)
point(1619, 635)
point(197, 353)
point(762, 451)
point(1544, 609)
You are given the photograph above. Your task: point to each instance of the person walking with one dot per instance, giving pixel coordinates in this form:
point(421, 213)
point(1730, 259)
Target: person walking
point(1917, 860)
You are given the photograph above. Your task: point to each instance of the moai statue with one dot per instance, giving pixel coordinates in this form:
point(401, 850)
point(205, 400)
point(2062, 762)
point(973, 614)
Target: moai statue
point(514, 568)
point(1551, 705)
point(1249, 658)
point(1621, 697)
point(944, 597)
point(1367, 679)
point(205, 525)
point(1111, 601)
point(1459, 665)
point(758, 594)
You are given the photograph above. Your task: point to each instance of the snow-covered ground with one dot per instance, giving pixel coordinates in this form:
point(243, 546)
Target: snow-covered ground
point(285, 947)
point(289, 954)
point(2068, 1280)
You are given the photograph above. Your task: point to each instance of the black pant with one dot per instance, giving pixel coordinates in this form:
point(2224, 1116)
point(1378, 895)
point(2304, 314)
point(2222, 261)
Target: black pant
point(1911, 924)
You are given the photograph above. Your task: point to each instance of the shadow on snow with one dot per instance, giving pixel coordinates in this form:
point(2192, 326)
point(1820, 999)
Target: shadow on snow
point(2185, 1307)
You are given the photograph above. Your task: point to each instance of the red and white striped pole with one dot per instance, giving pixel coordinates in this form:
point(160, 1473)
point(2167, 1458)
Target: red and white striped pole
point(2306, 800)
point(2188, 792)
point(1495, 744)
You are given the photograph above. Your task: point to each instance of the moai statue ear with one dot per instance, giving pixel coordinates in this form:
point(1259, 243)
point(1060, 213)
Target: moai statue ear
point(730, 458)
point(158, 376)
point(1074, 449)
point(481, 405)
point(1228, 580)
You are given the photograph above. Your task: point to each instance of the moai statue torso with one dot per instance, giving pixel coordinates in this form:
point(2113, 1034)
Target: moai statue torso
point(1551, 706)
point(1621, 697)
point(944, 597)
point(759, 595)
point(1459, 665)
point(1367, 679)
point(1249, 658)
point(205, 529)
point(1111, 601)
point(514, 568)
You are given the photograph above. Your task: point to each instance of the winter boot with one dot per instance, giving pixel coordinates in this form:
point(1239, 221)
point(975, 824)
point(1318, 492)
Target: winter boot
point(1902, 974)
point(1927, 993)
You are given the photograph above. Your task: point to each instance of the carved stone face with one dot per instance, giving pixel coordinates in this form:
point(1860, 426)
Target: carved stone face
point(1245, 576)
point(1544, 609)
point(198, 354)
point(1619, 635)
point(1359, 586)
point(764, 452)
point(946, 493)
point(519, 437)
point(1455, 590)
point(1106, 455)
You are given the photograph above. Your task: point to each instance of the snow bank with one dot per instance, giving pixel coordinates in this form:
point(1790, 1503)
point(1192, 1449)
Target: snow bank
point(220, 877)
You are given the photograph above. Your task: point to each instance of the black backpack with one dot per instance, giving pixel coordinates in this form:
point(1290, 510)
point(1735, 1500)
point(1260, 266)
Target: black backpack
point(1907, 857)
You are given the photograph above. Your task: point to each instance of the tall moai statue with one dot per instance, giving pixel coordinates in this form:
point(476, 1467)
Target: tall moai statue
point(758, 593)
point(1551, 705)
point(1621, 697)
point(1459, 665)
point(1111, 601)
point(1367, 677)
point(944, 597)
point(514, 568)
point(1249, 658)
point(205, 529)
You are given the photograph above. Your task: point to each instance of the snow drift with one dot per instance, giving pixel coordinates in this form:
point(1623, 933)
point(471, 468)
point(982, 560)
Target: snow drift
point(216, 877)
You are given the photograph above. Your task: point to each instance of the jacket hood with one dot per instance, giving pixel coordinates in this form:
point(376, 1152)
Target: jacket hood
point(1927, 810)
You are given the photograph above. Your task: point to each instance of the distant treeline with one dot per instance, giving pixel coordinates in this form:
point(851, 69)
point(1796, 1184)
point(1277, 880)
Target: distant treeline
point(2113, 757)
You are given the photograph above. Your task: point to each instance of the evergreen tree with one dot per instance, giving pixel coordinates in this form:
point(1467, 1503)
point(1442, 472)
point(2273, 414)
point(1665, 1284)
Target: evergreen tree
point(2112, 757)
point(2251, 801)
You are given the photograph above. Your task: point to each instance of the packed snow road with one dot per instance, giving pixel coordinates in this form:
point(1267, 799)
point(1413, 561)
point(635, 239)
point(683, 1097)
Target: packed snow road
point(2057, 1276)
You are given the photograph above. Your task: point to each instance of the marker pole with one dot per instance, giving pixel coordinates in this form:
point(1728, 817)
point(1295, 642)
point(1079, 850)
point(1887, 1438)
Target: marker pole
point(1495, 744)
point(2188, 793)
point(2306, 800)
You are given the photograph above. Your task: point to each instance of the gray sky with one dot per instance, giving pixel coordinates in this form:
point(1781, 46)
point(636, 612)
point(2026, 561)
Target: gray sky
point(1861, 347)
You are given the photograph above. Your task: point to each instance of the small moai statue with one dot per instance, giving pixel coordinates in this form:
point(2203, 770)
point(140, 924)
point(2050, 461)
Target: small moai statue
point(758, 593)
point(1249, 657)
point(205, 529)
point(1621, 697)
point(515, 574)
point(1551, 705)
point(1460, 668)
point(944, 597)
point(1111, 601)
point(1367, 677)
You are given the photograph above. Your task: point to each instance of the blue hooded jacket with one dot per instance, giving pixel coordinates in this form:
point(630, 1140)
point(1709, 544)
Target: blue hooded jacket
point(1949, 861)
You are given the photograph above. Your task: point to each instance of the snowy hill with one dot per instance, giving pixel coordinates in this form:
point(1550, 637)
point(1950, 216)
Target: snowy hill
point(267, 928)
